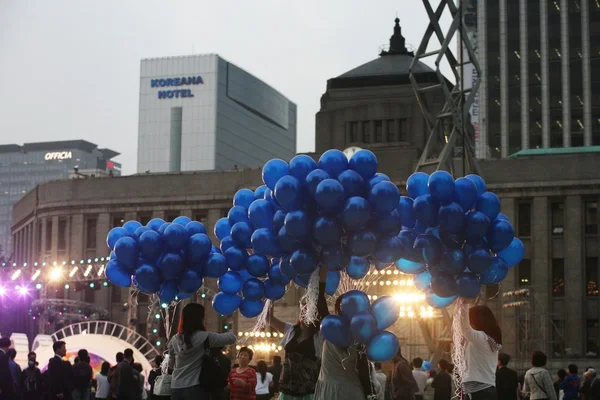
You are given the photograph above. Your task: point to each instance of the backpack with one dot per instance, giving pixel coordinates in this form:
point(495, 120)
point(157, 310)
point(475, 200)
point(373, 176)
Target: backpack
point(31, 380)
point(214, 373)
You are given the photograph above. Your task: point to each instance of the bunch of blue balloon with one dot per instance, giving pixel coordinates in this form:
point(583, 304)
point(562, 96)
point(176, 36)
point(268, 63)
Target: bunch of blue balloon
point(169, 259)
point(338, 213)
point(362, 325)
point(454, 236)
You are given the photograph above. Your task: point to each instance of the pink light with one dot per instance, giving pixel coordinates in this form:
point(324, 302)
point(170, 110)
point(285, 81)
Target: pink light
point(2, 291)
point(23, 290)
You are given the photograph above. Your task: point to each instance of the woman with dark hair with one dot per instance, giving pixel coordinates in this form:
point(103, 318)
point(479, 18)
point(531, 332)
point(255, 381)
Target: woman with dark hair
point(303, 346)
point(402, 384)
point(155, 373)
point(483, 341)
point(264, 380)
point(186, 349)
point(242, 380)
point(538, 383)
point(102, 385)
point(346, 373)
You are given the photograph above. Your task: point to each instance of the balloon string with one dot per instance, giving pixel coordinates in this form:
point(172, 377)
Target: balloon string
point(309, 313)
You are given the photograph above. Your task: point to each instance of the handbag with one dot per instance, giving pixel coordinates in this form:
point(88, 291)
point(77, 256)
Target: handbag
point(162, 384)
point(212, 374)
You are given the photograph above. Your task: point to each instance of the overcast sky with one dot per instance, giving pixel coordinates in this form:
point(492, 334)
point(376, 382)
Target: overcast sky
point(69, 69)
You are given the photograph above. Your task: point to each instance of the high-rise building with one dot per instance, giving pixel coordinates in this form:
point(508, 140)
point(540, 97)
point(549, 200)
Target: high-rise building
point(540, 62)
point(24, 167)
point(202, 112)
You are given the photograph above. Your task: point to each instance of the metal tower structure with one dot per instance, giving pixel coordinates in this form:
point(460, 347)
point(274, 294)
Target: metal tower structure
point(450, 131)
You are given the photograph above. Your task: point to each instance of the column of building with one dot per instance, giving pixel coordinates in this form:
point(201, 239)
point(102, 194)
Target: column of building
point(565, 72)
point(586, 73)
point(482, 150)
point(540, 267)
point(545, 72)
point(524, 73)
point(504, 104)
point(574, 275)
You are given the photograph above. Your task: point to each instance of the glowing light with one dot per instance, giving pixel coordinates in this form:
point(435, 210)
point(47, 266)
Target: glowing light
point(2, 291)
point(16, 274)
point(157, 316)
point(101, 270)
point(87, 270)
point(35, 275)
point(67, 286)
point(73, 271)
point(23, 290)
point(38, 286)
point(240, 334)
point(164, 305)
point(158, 342)
point(56, 274)
point(92, 285)
point(154, 330)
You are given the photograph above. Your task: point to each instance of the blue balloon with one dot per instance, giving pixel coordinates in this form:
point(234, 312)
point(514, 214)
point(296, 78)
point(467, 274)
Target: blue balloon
point(162, 228)
point(147, 278)
point(257, 265)
point(358, 268)
point(126, 251)
point(286, 267)
point(478, 224)
point(422, 281)
point(385, 310)
point(383, 347)
point(274, 291)
point(313, 180)
point(236, 258)
point(364, 162)
point(182, 220)
point(503, 216)
point(426, 366)
point(215, 266)
point(514, 253)
point(168, 291)
point(175, 237)
point(426, 210)
point(407, 215)
point(131, 227)
point(270, 197)
point(354, 302)
point(388, 249)
point(264, 242)
point(453, 262)
point(441, 186)
point(378, 177)
point(243, 197)
point(451, 218)
point(479, 183)
point(363, 327)
point(253, 289)
point(183, 296)
point(237, 214)
point(386, 224)
point(230, 282)
point(384, 197)
point(443, 286)
point(288, 191)
point(118, 274)
point(416, 184)
point(356, 213)
point(226, 304)
point(363, 243)
point(335, 329)
point(302, 165)
point(241, 233)
point(480, 261)
point(438, 302)
point(327, 231)
point(139, 231)
point(171, 266)
point(199, 247)
point(216, 249)
point(222, 228)
point(278, 220)
point(297, 224)
point(465, 193)
point(274, 170)
point(332, 282)
point(226, 243)
point(286, 242)
point(189, 282)
point(251, 308)
point(407, 238)
point(150, 245)
point(334, 162)
point(303, 262)
point(259, 192)
point(194, 227)
point(332, 257)
point(261, 213)
point(330, 195)
point(467, 285)
point(114, 235)
point(277, 277)
point(501, 235)
point(495, 273)
point(302, 280)
point(155, 224)
point(409, 267)
point(352, 182)
point(245, 275)
point(489, 204)
point(453, 240)
point(431, 248)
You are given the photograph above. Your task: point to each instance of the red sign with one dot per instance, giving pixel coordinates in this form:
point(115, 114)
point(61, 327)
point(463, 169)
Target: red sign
point(110, 165)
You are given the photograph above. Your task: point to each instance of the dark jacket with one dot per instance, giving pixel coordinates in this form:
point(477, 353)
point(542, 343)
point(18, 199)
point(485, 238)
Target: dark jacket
point(60, 378)
point(275, 370)
point(82, 376)
point(126, 386)
point(571, 386)
point(6, 382)
point(595, 389)
point(507, 383)
point(442, 383)
point(402, 384)
point(31, 383)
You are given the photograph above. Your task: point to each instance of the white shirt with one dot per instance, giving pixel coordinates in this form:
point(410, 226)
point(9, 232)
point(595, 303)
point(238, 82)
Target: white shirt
point(263, 387)
point(102, 386)
point(421, 378)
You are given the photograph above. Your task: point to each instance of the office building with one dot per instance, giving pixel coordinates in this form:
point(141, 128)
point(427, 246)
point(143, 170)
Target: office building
point(201, 113)
point(24, 167)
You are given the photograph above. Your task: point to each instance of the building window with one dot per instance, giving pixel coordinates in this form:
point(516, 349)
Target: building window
point(558, 277)
point(378, 131)
point(403, 130)
point(142, 298)
point(62, 234)
point(366, 132)
point(593, 338)
point(48, 235)
point(591, 276)
point(171, 216)
point(558, 218)
point(115, 295)
point(354, 132)
point(391, 131)
point(524, 273)
point(524, 219)
point(591, 218)
point(201, 216)
point(90, 233)
point(117, 220)
point(89, 295)
point(558, 338)
point(144, 218)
